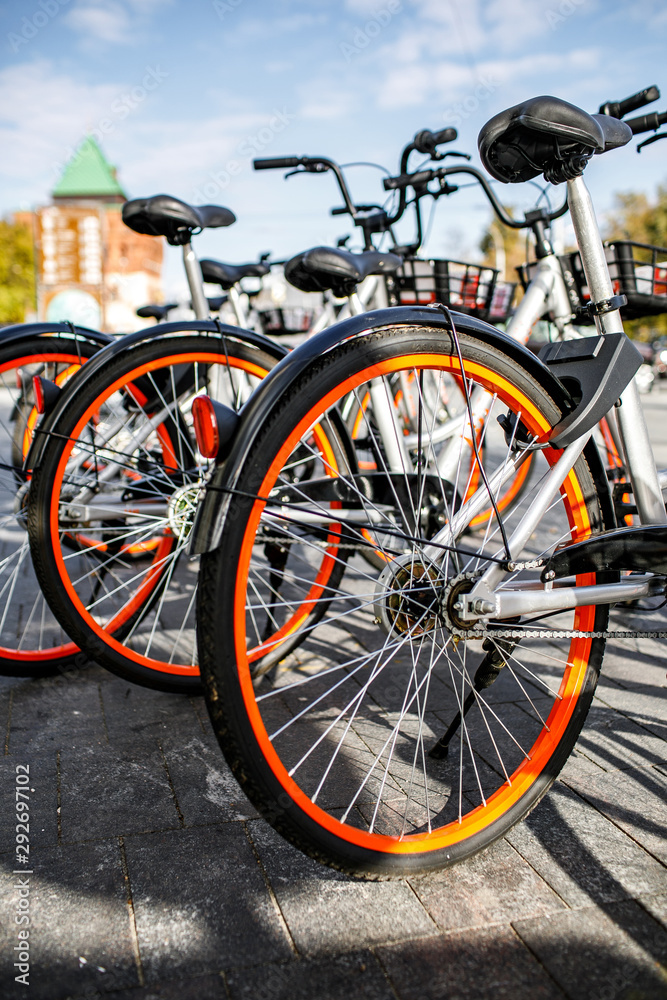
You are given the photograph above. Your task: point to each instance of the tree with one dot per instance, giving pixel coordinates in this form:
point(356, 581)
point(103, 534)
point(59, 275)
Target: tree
point(644, 220)
point(17, 271)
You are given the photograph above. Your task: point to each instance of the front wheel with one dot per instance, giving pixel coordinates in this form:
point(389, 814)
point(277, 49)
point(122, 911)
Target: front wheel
point(334, 745)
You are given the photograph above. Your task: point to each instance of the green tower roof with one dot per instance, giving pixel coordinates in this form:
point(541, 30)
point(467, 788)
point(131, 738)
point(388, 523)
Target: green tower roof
point(88, 174)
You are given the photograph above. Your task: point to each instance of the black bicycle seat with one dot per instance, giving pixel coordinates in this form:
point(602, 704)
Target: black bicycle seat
point(546, 136)
point(340, 270)
point(163, 215)
point(155, 312)
point(226, 275)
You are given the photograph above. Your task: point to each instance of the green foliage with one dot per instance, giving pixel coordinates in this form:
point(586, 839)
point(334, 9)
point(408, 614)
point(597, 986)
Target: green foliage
point(17, 272)
point(644, 220)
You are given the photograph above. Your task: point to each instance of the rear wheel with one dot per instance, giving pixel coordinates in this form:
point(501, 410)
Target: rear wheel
point(333, 746)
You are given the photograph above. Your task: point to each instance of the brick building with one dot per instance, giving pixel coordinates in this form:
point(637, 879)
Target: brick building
point(92, 269)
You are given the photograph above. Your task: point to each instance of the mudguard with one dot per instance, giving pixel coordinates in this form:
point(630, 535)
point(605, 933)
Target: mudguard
point(207, 529)
point(124, 345)
point(18, 331)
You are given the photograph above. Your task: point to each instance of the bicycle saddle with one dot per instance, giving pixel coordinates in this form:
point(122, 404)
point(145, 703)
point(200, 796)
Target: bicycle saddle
point(226, 275)
point(155, 312)
point(546, 136)
point(340, 270)
point(165, 216)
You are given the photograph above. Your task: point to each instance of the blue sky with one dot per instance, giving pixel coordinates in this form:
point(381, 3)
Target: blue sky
point(179, 90)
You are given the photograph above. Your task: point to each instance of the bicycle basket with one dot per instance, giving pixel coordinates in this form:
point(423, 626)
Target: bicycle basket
point(637, 270)
point(285, 322)
point(468, 288)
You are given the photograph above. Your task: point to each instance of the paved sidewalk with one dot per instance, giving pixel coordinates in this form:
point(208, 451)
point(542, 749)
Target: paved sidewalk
point(153, 877)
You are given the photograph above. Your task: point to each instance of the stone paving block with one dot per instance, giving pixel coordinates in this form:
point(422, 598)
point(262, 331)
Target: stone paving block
point(634, 663)
point(617, 742)
point(210, 987)
point(201, 903)
point(132, 711)
point(644, 706)
point(614, 951)
point(635, 800)
point(108, 792)
point(206, 790)
point(56, 712)
point(578, 765)
point(492, 887)
point(356, 976)
point(42, 799)
point(581, 854)
point(476, 964)
point(80, 937)
point(328, 912)
point(656, 906)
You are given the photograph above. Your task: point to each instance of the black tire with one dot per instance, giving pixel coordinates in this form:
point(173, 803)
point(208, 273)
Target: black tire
point(307, 743)
point(32, 642)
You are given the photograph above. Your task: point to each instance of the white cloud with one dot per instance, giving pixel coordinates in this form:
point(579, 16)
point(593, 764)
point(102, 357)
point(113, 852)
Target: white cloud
point(111, 21)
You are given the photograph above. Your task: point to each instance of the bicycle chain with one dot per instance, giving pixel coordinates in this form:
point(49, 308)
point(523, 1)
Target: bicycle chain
point(552, 634)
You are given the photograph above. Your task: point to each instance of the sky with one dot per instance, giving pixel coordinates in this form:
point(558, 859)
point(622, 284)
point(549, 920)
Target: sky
point(182, 95)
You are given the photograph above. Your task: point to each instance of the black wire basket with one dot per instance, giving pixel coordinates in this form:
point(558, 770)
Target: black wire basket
point(286, 322)
point(637, 270)
point(468, 288)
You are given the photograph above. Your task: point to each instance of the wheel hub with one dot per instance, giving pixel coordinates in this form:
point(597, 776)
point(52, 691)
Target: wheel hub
point(181, 509)
point(407, 597)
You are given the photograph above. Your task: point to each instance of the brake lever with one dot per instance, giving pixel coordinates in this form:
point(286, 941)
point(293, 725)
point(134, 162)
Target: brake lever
point(307, 168)
point(653, 138)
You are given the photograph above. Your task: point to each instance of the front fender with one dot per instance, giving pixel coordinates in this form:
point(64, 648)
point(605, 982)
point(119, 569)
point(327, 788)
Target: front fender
point(207, 530)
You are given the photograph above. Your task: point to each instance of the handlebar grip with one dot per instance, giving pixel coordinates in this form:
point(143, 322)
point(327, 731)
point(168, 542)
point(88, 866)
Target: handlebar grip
point(647, 123)
point(617, 109)
point(277, 162)
point(445, 135)
point(426, 141)
point(404, 180)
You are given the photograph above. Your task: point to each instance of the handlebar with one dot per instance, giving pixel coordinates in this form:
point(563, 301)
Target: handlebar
point(422, 177)
point(311, 164)
point(618, 109)
point(647, 123)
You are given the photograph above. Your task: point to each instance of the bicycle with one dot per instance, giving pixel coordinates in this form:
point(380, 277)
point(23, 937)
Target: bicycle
point(117, 473)
point(431, 707)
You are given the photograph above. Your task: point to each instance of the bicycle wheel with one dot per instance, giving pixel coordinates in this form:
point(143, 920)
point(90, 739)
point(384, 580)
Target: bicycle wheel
point(32, 641)
point(112, 504)
point(333, 748)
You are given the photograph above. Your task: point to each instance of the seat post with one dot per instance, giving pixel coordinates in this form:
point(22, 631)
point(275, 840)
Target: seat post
point(592, 253)
point(195, 282)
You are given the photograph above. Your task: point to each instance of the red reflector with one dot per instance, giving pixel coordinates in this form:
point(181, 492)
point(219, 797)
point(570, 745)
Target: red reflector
point(38, 390)
point(206, 426)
